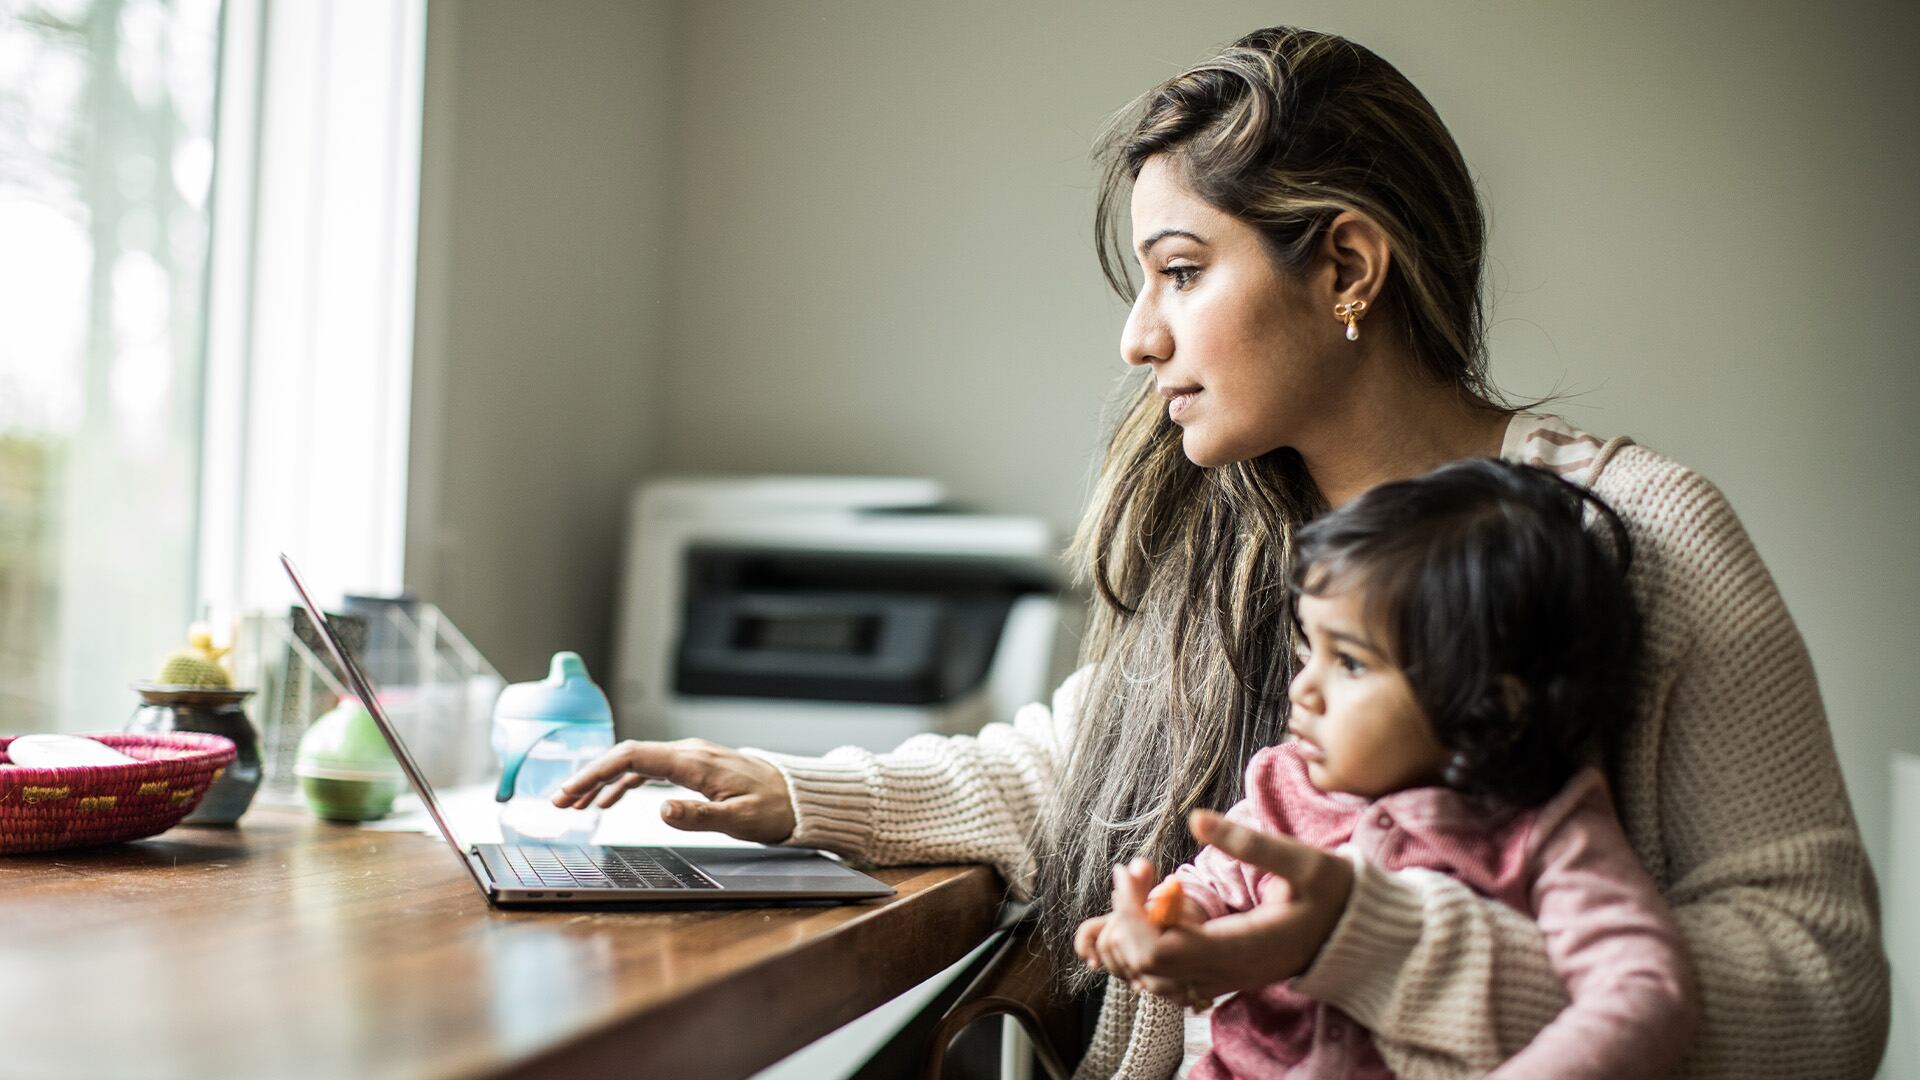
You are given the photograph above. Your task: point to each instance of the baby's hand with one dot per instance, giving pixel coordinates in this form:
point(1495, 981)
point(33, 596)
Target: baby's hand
point(1122, 941)
point(1086, 940)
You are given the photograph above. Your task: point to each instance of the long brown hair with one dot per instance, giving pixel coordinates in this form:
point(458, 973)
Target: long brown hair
point(1190, 639)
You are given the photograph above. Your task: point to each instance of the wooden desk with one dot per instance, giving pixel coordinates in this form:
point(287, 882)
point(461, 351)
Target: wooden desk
point(294, 948)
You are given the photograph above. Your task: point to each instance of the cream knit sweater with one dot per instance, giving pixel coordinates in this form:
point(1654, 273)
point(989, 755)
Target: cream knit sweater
point(1727, 784)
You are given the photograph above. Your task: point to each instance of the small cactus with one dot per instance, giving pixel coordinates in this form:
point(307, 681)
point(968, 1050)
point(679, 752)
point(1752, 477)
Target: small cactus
point(196, 665)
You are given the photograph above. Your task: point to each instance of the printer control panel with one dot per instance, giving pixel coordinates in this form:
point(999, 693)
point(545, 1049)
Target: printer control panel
point(826, 626)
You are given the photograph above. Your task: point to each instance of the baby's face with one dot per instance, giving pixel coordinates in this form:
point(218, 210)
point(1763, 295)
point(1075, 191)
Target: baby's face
point(1355, 718)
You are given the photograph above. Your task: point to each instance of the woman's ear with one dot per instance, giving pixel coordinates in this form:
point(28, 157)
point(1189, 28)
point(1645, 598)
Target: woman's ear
point(1357, 253)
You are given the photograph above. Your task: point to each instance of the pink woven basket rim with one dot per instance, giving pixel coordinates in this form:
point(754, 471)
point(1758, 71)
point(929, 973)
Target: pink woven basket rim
point(198, 752)
point(44, 809)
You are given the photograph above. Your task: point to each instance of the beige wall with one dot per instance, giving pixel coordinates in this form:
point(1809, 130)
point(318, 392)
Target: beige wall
point(543, 245)
point(870, 253)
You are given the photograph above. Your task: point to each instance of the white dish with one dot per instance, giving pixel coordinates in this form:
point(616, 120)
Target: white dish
point(60, 751)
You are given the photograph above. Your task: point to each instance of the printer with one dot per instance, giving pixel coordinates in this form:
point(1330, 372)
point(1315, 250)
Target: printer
point(798, 614)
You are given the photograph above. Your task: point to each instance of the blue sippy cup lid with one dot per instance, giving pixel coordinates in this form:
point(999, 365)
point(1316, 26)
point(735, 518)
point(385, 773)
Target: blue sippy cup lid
point(566, 695)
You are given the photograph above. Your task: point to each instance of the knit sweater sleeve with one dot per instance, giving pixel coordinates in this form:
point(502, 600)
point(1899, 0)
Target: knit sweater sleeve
point(937, 798)
point(1138, 1037)
point(1732, 796)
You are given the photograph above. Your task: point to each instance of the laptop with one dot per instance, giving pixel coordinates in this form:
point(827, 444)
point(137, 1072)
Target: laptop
point(587, 875)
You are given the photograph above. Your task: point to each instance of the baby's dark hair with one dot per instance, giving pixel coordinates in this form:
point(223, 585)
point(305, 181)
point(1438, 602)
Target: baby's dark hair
point(1510, 618)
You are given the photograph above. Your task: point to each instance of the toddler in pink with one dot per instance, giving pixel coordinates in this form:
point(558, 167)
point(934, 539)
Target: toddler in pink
point(1467, 647)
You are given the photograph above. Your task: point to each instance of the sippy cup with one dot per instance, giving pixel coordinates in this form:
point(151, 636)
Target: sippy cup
point(544, 732)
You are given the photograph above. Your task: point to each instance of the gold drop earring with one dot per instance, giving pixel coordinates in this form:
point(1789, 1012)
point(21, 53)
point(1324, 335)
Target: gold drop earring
point(1351, 313)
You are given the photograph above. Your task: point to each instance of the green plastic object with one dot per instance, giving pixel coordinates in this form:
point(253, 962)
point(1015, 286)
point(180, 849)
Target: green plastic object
point(346, 771)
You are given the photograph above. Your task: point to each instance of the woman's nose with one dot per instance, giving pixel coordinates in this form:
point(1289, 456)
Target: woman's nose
point(1146, 339)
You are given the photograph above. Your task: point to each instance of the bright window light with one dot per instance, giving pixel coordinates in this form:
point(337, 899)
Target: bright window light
point(106, 126)
point(207, 218)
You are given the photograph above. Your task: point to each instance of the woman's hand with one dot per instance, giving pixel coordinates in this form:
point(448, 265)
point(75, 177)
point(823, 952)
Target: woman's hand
point(1276, 940)
point(746, 797)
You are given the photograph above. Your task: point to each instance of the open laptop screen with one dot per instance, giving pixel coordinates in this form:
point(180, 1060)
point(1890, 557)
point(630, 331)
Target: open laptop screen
point(360, 686)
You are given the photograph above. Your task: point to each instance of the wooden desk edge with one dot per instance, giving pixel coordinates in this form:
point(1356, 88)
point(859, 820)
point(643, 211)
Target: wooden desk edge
point(841, 975)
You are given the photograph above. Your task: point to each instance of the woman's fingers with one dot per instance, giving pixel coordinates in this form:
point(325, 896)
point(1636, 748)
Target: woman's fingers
point(1282, 855)
point(1310, 885)
point(1197, 958)
point(611, 793)
point(689, 763)
point(745, 817)
point(645, 760)
point(1242, 950)
point(695, 816)
point(747, 796)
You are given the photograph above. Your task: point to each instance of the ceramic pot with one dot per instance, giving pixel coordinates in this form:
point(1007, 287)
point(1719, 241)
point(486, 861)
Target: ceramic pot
point(214, 711)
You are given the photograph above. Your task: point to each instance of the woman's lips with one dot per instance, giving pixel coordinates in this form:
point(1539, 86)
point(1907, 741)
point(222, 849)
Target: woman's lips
point(1180, 403)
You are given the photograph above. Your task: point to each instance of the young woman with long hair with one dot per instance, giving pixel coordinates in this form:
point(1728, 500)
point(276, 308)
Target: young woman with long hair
point(1309, 324)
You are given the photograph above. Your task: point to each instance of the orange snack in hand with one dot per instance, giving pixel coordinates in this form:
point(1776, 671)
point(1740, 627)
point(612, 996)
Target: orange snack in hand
point(1163, 907)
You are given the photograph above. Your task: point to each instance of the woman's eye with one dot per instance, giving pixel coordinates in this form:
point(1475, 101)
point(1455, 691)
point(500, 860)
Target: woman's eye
point(1181, 276)
point(1350, 665)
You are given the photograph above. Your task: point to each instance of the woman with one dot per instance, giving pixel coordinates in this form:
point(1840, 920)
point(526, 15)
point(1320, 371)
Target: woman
point(1311, 325)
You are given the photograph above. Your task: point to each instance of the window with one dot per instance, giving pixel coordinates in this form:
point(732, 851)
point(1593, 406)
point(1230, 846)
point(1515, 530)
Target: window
point(205, 323)
point(106, 154)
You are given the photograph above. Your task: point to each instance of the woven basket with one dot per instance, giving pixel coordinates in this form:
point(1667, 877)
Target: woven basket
point(80, 805)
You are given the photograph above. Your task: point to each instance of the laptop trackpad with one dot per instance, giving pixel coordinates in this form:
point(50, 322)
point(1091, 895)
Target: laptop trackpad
point(774, 862)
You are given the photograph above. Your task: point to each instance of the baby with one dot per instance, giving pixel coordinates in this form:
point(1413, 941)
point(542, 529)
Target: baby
point(1467, 648)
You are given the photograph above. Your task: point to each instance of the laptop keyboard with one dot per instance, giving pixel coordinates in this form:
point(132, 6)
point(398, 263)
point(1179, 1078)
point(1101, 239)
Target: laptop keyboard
point(569, 866)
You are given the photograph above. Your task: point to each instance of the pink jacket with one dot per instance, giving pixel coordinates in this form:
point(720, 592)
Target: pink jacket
point(1566, 863)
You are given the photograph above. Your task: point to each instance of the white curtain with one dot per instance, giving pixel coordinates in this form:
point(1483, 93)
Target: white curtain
point(311, 316)
point(106, 144)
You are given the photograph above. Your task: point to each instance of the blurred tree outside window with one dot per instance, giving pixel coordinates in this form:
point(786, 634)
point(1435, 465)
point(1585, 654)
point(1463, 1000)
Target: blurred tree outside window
point(106, 159)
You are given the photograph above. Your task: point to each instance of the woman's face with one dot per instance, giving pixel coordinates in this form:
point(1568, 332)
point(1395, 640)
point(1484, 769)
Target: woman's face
point(1238, 348)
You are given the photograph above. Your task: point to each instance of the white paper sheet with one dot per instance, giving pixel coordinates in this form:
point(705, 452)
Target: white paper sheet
point(474, 817)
